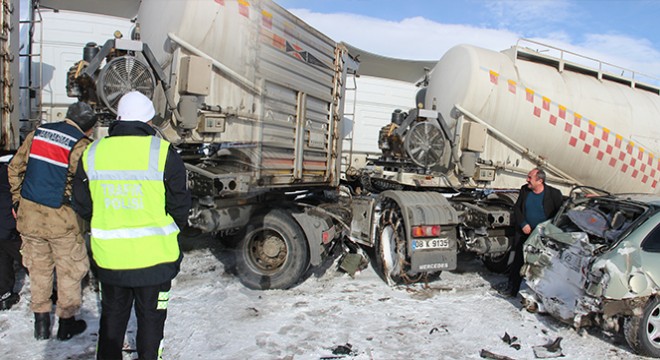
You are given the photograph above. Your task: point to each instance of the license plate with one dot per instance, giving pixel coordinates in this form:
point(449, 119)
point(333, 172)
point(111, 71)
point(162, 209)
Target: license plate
point(430, 244)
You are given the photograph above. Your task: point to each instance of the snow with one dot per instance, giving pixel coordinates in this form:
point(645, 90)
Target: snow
point(213, 316)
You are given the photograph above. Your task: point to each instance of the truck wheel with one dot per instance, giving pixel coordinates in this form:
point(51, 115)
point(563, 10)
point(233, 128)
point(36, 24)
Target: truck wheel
point(391, 246)
point(642, 331)
point(273, 254)
point(498, 264)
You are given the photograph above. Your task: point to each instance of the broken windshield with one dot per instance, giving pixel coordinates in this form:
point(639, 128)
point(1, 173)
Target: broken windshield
point(604, 219)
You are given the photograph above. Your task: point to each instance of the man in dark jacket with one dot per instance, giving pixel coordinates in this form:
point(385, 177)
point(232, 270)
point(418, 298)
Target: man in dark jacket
point(131, 185)
point(10, 241)
point(537, 202)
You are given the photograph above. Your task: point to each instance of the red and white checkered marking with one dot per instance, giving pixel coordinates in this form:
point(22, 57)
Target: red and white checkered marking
point(593, 139)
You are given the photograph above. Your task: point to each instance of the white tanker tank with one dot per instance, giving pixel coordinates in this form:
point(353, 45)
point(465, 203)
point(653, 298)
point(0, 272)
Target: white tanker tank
point(586, 125)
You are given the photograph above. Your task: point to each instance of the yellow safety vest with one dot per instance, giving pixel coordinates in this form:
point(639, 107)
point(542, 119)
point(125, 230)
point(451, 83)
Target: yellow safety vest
point(130, 228)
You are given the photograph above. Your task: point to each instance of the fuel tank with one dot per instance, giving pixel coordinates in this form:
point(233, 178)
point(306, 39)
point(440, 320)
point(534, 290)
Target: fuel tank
point(599, 128)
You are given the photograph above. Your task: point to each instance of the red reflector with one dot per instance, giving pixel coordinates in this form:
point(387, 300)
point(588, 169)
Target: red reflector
point(325, 237)
point(426, 231)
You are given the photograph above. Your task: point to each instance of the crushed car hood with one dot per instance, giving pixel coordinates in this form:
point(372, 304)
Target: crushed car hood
point(555, 272)
point(574, 271)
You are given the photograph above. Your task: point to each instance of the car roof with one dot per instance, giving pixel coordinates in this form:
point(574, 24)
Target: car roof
point(650, 199)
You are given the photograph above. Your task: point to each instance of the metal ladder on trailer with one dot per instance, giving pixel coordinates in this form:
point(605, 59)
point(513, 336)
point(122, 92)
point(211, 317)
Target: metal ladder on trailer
point(9, 69)
point(350, 97)
point(30, 88)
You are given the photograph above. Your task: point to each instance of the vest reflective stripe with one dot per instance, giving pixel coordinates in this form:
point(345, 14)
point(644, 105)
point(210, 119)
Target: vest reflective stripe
point(134, 232)
point(150, 174)
point(130, 228)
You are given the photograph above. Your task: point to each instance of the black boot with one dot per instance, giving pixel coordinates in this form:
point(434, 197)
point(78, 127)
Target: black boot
point(70, 327)
point(42, 326)
point(8, 300)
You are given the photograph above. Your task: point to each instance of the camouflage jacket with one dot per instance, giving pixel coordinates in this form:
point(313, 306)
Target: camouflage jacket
point(39, 220)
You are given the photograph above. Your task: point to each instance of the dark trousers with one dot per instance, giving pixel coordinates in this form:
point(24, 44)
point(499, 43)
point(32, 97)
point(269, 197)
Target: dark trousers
point(9, 253)
point(515, 279)
point(150, 309)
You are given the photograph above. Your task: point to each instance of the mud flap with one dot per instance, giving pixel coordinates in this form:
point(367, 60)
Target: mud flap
point(433, 260)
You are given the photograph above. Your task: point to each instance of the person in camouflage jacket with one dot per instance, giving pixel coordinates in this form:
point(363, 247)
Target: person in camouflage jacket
point(40, 176)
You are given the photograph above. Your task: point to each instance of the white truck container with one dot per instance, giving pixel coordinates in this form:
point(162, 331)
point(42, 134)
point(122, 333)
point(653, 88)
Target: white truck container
point(56, 46)
point(374, 101)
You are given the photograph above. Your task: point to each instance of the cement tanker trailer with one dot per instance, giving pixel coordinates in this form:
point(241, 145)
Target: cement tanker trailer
point(586, 125)
point(450, 168)
point(253, 99)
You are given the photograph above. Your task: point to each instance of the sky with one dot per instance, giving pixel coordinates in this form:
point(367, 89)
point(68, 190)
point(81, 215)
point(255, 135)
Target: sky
point(622, 33)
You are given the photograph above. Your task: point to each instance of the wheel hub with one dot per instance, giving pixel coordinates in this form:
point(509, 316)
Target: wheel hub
point(653, 327)
point(272, 247)
point(268, 251)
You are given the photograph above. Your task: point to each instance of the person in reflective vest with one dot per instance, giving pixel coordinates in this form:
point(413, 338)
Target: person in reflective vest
point(40, 176)
point(131, 186)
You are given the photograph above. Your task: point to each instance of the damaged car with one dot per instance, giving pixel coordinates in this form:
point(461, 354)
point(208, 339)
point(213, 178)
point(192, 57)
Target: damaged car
point(597, 263)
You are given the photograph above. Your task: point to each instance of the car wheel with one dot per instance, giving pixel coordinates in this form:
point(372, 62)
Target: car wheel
point(273, 253)
point(642, 331)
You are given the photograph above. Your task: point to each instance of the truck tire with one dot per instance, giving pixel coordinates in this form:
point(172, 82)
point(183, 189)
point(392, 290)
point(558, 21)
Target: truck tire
point(391, 246)
point(642, 331)
point(389, 258)
point(273, 254)
point(498, 264)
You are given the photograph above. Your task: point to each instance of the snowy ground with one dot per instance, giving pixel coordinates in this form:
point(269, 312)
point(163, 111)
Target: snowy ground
point(212, 316)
